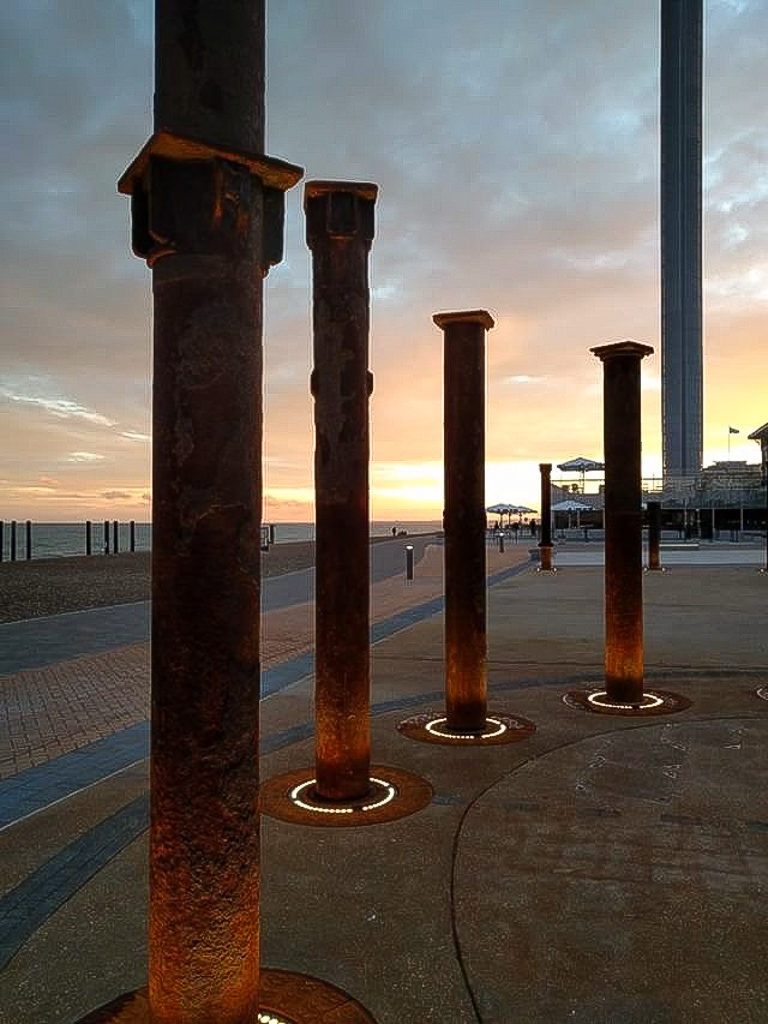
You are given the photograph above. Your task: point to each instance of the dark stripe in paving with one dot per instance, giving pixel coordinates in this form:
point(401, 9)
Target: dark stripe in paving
point(53, 638)
point(26, 907)
point(37, 787)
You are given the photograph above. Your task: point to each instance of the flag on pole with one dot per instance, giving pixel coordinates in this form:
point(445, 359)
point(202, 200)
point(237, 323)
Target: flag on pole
point(732, 430)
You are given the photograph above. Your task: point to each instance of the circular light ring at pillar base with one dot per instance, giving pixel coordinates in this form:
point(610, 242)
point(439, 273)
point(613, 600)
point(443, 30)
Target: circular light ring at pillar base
point(654, 702)
point(762, 692)
point(284, 998)
point(430, 727)
point(649, 568)
point(394, 794)
point(549, 572)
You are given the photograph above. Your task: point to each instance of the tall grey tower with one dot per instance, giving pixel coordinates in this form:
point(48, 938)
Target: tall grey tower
point(681, 341)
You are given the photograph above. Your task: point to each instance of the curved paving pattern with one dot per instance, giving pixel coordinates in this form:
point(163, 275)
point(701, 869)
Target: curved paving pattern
point(625, 882)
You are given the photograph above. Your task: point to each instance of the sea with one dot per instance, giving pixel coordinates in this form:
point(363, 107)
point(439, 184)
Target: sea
point(59, 540)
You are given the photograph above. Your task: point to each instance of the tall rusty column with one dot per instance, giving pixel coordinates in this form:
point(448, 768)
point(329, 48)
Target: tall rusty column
point(207, 216)
point(623, 520)
point(545, 544)
point(340, 228)
point(464, 518)
point(654, 536)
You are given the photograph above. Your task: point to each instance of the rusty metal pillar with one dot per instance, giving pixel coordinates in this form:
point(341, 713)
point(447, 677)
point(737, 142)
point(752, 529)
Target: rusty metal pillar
point(340, 228)
point(654, 536)
point(207, 212)
point(545, 544)
point(464, 517)
point(623, 520)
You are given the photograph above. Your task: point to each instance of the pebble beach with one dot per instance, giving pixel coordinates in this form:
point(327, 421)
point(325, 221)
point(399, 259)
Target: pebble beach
point(50, 586)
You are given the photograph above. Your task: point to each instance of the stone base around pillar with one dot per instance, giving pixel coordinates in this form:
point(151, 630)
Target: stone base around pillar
point(430, 727)
point(655, 702)
point(284, 997)
point(394, 794)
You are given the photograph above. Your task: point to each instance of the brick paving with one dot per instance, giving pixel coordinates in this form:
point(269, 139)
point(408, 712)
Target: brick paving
point(51, 711)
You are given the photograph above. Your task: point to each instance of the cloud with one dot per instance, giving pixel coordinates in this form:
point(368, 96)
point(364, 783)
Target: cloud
point(116, 495)
point(63, 408)
point(85, 457)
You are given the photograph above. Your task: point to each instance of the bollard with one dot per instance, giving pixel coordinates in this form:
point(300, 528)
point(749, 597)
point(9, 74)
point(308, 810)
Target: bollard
point(623, 520)
point(272, 532)
point(340, 229)
point(2, 539)
point(106, 536)
point(29, 539)
point(545, 544)
point(13, 540)
point(409, 561)
point(115, 545)
point(132, 534)
point(501, 543)
point(654, 536)
point(88, 536)
point(464, 458)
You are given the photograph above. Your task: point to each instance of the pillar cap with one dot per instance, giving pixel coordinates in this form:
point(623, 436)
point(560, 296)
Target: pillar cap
point(622, 348)
point(274, 173)
point(362, 189)
point(544, 466)
point(471, 316)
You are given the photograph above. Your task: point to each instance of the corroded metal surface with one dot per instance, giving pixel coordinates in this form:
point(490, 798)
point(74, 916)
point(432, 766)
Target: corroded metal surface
point(499, 729)
point(411, 794)
point(205, 222)
point(545, 544)
point(340, 228)
point(464, 516)
point(623, 519)
point(654, 535)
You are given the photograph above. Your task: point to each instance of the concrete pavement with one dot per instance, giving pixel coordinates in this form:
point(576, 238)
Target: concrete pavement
point(604, 870)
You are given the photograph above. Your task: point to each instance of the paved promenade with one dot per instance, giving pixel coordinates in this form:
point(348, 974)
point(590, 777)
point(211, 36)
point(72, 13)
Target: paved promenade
point(603, 870)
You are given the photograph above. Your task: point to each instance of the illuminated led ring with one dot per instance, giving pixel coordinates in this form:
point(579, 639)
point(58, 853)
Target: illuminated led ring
point(296, 792)
point(267, 1018)
point(431, 727)
point(763, 692)
point(650, 700)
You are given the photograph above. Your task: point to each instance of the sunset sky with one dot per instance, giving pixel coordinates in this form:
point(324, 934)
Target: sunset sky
point(515, 143)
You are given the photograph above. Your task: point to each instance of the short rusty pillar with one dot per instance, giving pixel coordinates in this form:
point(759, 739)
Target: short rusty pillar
point(623, 520)
point(207, 216)
point(464, 517)
point(654, 535)
point(340, 228)
point(545, 544)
